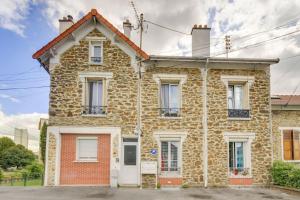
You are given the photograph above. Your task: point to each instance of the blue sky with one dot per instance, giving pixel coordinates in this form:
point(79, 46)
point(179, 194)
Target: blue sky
point(27, 25)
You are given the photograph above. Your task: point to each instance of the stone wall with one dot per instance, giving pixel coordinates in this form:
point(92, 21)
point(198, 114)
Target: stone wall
point(218, 123)
point(190, 121)
point(66, 91)
point(282, 118)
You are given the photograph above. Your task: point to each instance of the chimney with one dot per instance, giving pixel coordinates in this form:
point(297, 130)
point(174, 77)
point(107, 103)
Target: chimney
point(65, 23)
point(200, 41)
point(127, 28)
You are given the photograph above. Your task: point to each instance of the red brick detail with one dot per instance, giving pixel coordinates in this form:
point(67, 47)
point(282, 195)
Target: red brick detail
point(170, 181)
point(75, 26)
point(84, 173)
point(240, 181)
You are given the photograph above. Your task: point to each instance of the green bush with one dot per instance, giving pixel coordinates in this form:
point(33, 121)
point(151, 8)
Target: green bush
point(286, 174)
point(1, 175)
point(35, 170)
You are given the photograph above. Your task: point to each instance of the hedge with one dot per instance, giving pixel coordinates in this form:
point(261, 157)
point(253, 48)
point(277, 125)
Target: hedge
point(286, 174)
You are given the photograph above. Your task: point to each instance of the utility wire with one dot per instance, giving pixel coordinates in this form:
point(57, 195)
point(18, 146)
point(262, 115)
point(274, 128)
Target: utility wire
point(24, 88)
point(167, 28)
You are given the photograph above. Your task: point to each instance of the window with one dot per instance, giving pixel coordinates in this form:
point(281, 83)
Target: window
point(96, 52)
point(235, 97)
point(94, 97)
point(170, 100)
point(236, 157)
point(291, 144)
point(129, 154)
point(87, 148)
point(169, 156)
point(237, 106)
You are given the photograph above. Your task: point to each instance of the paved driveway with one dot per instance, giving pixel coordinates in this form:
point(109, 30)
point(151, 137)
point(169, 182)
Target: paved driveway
point(89, 193)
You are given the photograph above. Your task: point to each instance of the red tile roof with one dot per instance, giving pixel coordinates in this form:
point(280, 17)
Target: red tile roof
point(284, 99)
point(87, 17)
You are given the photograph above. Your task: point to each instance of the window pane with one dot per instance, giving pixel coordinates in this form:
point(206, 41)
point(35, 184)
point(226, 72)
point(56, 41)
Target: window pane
point(238, 97)
point(164, 156)
point(230, 97)
point(174, 98)
point(287, 145)
point(97, 51)
point(87, 148)
point(231, 155)
point(95, 93)
point(239, 155)
point(174, 156)
point(129, 154)
point(296, 144)
point(164, 96)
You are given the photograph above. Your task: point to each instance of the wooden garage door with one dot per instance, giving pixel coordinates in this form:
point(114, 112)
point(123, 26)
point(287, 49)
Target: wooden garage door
point(73, 172)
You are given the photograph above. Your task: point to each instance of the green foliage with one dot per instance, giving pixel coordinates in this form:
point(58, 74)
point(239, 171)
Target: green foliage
point(158, 186)
point(43, 138)
point(16, 156)
point(185, 185)
point(5, 143)
point(286, 174)
point(35, 170)
point(1, 175)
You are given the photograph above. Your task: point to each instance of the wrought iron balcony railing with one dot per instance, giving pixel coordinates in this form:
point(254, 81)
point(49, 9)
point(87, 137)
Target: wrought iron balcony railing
point(239, 113)
point(169, 112)
point(96, 59)
point(93, 110)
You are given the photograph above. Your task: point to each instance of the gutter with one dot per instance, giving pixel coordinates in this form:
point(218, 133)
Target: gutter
point(204, 121)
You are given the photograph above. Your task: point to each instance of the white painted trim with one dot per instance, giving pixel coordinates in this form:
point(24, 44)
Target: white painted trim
point(231, 78)
point(95, 38)
point(170, 77)
point(77, 149)
point(281, 129)
point(46, 158)
point(84, 75)
point(167, 135)
point(58, 130)
point(91, 53)
point(247, 138)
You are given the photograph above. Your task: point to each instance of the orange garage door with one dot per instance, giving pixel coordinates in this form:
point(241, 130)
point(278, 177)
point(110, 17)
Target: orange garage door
point(73, 172)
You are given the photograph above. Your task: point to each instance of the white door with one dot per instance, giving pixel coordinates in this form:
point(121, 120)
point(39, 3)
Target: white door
point(129, 162)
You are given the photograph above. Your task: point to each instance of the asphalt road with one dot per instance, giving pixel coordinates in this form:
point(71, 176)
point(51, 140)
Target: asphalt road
point(90, 193)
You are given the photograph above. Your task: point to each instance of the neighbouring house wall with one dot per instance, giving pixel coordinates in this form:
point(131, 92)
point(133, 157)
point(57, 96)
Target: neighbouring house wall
point(190, 121)
point(66, 93)
point(282, 118)
point(218, 123)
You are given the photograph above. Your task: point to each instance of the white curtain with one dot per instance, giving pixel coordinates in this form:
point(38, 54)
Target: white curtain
point(164, 96)
point(96, 93)
point(238, 97)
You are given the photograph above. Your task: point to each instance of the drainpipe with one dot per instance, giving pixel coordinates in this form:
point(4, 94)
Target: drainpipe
point(270, 115)
point(204, 121)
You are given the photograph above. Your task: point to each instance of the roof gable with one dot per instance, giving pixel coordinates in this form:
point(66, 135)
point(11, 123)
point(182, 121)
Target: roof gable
point(89, 16)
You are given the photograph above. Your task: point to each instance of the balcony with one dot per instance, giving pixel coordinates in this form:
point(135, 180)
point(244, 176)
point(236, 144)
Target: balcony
point(93, 110)
point(239, 113)
point(96, 59)
point(170, 112)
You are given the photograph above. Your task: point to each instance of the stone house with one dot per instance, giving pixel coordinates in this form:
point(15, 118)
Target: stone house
point(118, 116)
point(286, 127)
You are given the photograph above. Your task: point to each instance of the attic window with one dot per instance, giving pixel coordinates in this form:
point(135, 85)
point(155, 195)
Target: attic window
point(96, 52)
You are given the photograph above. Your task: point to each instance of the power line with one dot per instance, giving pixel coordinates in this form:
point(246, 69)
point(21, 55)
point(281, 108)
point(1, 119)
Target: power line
point(167, 28)
point(24, 88)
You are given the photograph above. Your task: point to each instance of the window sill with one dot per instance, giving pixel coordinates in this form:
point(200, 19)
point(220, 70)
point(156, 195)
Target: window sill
point(161, 117)
point(239, 119)
point(292, 161)
point(240, 176)
point(96, 115)
point(170, 175)
point(95, 63)
point(85, 161)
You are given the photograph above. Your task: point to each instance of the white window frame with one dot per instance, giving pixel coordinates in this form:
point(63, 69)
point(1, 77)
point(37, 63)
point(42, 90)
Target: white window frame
point(170, 136)
point(105, 77)
point(282, 146)
point(247, 139)
point(97, 40)
point(246, 82)
point(165, 78)
point(78, 159)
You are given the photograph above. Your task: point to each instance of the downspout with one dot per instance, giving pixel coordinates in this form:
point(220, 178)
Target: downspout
point(139, 119)
point(270, 116)
point(204, 121)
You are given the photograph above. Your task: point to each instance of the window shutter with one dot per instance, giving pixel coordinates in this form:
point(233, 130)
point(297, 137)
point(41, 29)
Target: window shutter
point(287, 145)
point(296, 144)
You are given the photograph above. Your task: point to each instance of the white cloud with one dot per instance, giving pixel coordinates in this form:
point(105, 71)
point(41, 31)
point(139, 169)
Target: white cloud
point(12, 15)
point(28, 121)
point(9, 97)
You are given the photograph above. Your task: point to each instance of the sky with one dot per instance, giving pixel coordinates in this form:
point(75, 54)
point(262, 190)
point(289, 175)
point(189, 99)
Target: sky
point(258, 29)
